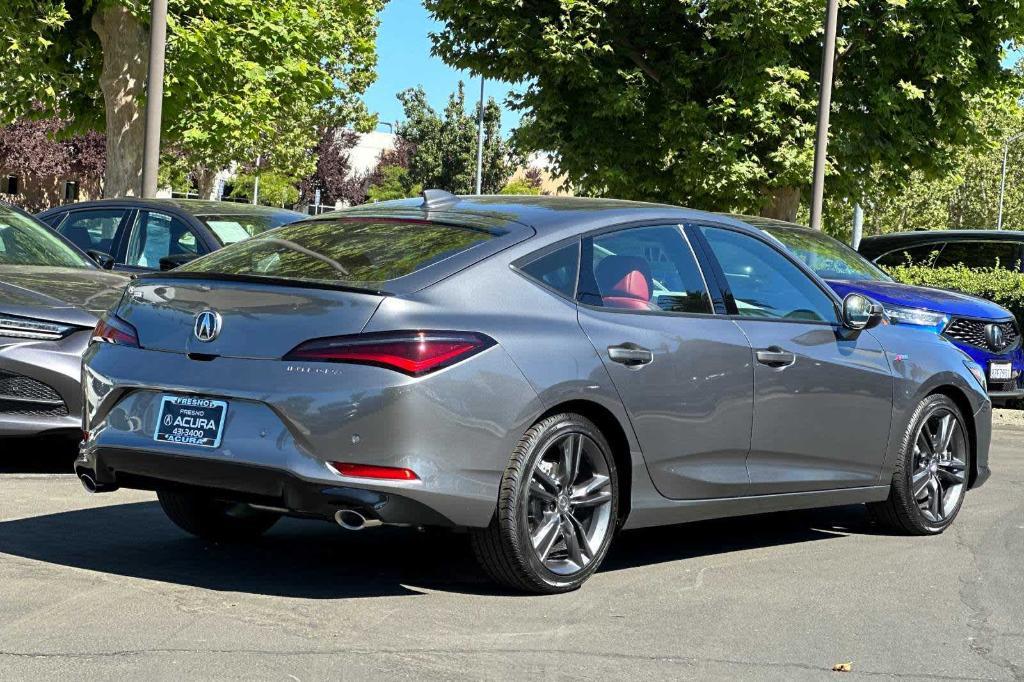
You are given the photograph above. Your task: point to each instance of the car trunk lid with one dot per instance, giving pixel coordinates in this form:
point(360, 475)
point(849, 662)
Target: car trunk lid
point(256, 319)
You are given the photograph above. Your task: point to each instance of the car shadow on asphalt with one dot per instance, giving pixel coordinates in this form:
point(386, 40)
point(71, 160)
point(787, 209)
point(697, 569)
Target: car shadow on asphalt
point(38, 455)
point(317, 560)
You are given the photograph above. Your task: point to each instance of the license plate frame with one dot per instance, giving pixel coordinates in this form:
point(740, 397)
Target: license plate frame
point(191, 421)
point(1000, 371)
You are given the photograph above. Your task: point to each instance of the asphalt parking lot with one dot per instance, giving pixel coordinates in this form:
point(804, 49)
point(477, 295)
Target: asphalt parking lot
point(103, 587)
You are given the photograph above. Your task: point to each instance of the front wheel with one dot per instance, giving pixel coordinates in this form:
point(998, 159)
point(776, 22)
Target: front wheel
point(557, 508)
point(930, 478)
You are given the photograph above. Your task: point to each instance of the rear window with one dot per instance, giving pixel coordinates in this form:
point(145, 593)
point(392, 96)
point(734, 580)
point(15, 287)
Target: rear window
point(346, 252)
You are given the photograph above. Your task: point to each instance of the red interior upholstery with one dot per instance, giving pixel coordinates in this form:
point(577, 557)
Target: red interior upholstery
point(625, 282)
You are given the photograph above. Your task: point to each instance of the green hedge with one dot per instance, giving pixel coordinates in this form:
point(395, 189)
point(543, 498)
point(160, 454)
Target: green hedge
point(1005, 287)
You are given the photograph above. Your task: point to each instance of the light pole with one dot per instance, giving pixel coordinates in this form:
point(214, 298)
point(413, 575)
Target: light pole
point(1002, 177)
point(480, 141)
point(824, 105)
point(154, 96)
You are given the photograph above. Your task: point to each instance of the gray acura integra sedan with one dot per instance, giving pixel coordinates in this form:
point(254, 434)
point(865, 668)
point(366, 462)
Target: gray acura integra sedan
point(541, 371)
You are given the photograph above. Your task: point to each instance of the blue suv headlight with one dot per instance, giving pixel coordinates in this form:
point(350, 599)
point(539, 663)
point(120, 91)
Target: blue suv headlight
point(918, 317)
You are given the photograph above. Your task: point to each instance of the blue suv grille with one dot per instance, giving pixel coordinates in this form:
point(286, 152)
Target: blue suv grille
point(976, 333)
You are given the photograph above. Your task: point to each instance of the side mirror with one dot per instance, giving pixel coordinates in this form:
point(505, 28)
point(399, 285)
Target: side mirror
point(860, 312)
point(171, 262)
point(102, 258)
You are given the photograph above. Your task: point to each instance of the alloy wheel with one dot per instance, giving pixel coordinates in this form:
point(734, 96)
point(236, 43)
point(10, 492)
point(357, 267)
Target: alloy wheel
point(569, 503)
point(939, 474)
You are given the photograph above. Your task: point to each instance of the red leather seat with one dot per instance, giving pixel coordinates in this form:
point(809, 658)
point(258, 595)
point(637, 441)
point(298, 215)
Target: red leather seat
point(625, 282)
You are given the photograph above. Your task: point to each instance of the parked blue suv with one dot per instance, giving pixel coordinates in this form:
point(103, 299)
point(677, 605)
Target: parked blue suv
point(987, 332)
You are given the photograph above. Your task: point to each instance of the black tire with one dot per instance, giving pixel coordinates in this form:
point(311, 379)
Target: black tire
point(504, 549)
point(901, 512)
point(215, 520)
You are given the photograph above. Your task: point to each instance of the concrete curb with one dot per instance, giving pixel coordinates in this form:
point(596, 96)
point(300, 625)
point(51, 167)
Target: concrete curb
point(1008, 419)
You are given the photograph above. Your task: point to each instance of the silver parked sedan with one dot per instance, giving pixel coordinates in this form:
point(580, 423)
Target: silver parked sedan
point(542, 371)
point(51, 296)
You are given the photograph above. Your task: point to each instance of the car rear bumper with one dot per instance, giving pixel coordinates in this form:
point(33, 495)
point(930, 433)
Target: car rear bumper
point(454, 429)
point(115, 468)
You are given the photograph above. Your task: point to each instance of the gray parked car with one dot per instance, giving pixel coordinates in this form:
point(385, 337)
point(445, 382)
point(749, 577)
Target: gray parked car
point(51, 296)
point(542, 371)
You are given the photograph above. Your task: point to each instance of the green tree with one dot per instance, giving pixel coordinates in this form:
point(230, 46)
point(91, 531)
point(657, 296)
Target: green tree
point(520, 186)
point(245, 78)
point(967, 196)
point(444, 146)
point(713, 104)
point(393, 182)
point(275, 189)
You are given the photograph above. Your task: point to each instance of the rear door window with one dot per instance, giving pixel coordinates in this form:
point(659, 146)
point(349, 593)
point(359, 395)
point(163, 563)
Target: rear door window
point(647, 269)
point(344, 251)
point(980, 254)
point(93, 229)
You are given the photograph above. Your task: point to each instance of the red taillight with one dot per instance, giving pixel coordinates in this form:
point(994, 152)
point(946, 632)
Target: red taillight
point(371, 471)
point(412, 353)
point(112, 329)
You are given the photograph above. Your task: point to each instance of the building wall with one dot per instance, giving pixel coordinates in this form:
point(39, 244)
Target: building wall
point(364, 156)
point(38, 192)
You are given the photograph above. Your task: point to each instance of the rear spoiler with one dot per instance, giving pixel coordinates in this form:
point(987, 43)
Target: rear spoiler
point(257, 279)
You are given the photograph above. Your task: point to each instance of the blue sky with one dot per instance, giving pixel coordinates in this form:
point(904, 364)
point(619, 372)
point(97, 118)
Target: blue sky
point(404, 61)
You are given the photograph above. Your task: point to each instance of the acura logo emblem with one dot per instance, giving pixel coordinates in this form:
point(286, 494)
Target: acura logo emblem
point(207, 326)
point(995, 336)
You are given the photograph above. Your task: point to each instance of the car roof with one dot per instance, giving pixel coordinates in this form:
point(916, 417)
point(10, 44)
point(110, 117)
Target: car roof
point(946, 235)
point(195, 207)
point(549, 217)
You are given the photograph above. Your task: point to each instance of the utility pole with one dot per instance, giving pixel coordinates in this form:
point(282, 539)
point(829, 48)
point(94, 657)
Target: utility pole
point(256, 181)
point(480, 141)
point(858, 225)
point(824, 106)
point(1002, 177)
point(154, 97)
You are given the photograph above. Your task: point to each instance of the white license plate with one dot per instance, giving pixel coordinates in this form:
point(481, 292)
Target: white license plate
point(1000, 371)
point(191, 421)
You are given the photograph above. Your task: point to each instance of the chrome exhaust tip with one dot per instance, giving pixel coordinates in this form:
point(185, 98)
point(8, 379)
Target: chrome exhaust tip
point(91, 485)
point(88, 483)
point(350, 519)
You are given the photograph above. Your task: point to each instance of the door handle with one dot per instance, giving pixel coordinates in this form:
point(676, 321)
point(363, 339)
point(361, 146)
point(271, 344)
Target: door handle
point(630, 355)
point(773, 356)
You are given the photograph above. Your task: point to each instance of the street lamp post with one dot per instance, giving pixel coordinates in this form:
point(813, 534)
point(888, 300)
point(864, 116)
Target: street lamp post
point(480, 142)
point(824, 105)
point(154, 97)
point(1002, 177)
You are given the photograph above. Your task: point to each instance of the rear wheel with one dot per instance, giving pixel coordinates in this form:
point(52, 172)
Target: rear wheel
point(213, 519)
point(930, 479)
point(557, 508)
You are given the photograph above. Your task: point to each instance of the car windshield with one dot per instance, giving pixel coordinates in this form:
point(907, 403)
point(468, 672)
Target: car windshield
point(827, 257)
point(350, 252)
point(233, 228)
point(26, 241)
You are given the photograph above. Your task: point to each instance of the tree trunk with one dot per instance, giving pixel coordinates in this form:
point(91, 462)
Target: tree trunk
point(125, 44)
point(785, 201)
point(206, 182)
